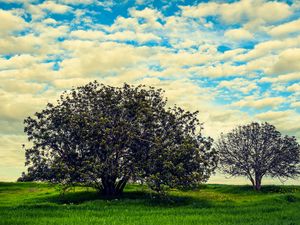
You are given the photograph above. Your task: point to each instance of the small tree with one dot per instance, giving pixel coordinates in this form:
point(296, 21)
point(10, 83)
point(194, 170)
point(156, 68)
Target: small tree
point(103, 136)
point(256, 150)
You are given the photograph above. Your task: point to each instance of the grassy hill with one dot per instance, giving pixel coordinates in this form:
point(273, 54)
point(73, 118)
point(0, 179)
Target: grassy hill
point(39, 203)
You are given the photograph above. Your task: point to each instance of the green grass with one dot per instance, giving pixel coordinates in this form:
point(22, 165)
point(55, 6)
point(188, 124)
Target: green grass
point(39, 203)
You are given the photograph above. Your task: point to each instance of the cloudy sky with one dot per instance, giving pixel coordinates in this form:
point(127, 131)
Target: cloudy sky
point(234, 61)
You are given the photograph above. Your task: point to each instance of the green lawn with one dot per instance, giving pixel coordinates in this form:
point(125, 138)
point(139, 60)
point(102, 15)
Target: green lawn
point(38, 203)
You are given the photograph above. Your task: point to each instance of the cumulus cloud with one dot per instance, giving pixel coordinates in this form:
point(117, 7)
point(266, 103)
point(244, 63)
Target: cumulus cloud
point(17, 107)
point(19, 86)
point(17, 62)
point(243, 11)
point(182, 58)
point(285, 121)
point(88, 34)
point(76, 2)
point(286, 29)
point(71, 82)
point(132, 36)
point(150, 15)
point(239, 84)
point(295, 104)
point(238, 34)
point(288, 62)
point(294, 88)
point(270, 47)
point(90, 58)
point(10, 23)
point(282, 78)
point(11, 153)
point(40, 72)
point(54, 7)
point(259, 103)
point(220, 71)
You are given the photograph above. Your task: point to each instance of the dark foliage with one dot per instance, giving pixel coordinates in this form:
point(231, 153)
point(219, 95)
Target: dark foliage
point(256, 150)
point(104, 136)
point(25, 178)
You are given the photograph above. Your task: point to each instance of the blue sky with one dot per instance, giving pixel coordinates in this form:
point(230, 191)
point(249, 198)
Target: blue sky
point(234, 61)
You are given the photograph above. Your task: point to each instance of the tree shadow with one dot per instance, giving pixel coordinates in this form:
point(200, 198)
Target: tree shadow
point(145, 198)
point(232, 189)
point(280, 189)
point(248, 189)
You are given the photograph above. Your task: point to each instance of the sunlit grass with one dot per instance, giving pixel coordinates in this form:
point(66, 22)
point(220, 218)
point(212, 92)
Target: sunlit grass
point(39, 203)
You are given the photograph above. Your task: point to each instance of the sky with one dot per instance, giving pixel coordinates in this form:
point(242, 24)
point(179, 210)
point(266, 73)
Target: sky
point(234, 61)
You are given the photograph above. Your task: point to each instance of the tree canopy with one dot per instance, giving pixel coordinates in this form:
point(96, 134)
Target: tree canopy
point(256, 150)
point(104, 136)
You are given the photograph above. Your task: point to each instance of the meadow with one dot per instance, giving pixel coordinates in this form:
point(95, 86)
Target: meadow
point(40, 203)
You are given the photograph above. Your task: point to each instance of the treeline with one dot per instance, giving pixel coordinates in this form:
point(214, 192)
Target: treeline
point(104, 136)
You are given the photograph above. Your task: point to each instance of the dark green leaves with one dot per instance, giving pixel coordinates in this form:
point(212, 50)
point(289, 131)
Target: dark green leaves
point(105, 136)
point(256, 150)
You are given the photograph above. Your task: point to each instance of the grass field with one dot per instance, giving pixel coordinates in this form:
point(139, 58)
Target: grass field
point(38, 203)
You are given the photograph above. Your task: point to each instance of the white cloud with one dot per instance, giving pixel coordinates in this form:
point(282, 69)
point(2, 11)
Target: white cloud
point(50, 21)
point(35, 11)
point(261, 64)
point(285, 121)
point(243, 11)
point(19, 86)
point(239, 84)
point(123, 23)
point(204, 9)
point(107, 4)
point(19, 1)
point(259, 103)
point(17, 62)
point(273, 115)
point(20, 45)
point(88, 34)
point(40, 72)
point(17, 107)
point(10, 23)
point(43, 40)
point(288, 62)
point(182, 58)
point(72, 82)
point(286, 28)
point(76, 2)
point(294, 88)
point(133, 36)
point(238, 34)
point(11, 151)
point(270, 47)
point(148, 18)
point(143, 2)
point(219, 70)
point(295, 104)
point(90, 58)
point(149, 14)
point(282, 78)
point(108, 53)
point(54, 7)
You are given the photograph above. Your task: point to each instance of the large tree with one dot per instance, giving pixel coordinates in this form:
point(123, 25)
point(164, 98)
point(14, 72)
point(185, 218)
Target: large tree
point(104, 136)
point(256, 150)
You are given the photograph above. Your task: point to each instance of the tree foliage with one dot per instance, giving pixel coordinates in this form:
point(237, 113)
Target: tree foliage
point(104, 136)
point(256, 150)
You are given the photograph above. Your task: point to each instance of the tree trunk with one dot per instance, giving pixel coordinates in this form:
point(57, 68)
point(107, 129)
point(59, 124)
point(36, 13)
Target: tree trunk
point(111, 188)
point(252, 182)
point(121, 185)
point(257, 183)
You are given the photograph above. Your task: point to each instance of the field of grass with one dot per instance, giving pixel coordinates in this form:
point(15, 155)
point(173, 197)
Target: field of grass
point(39, 203)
